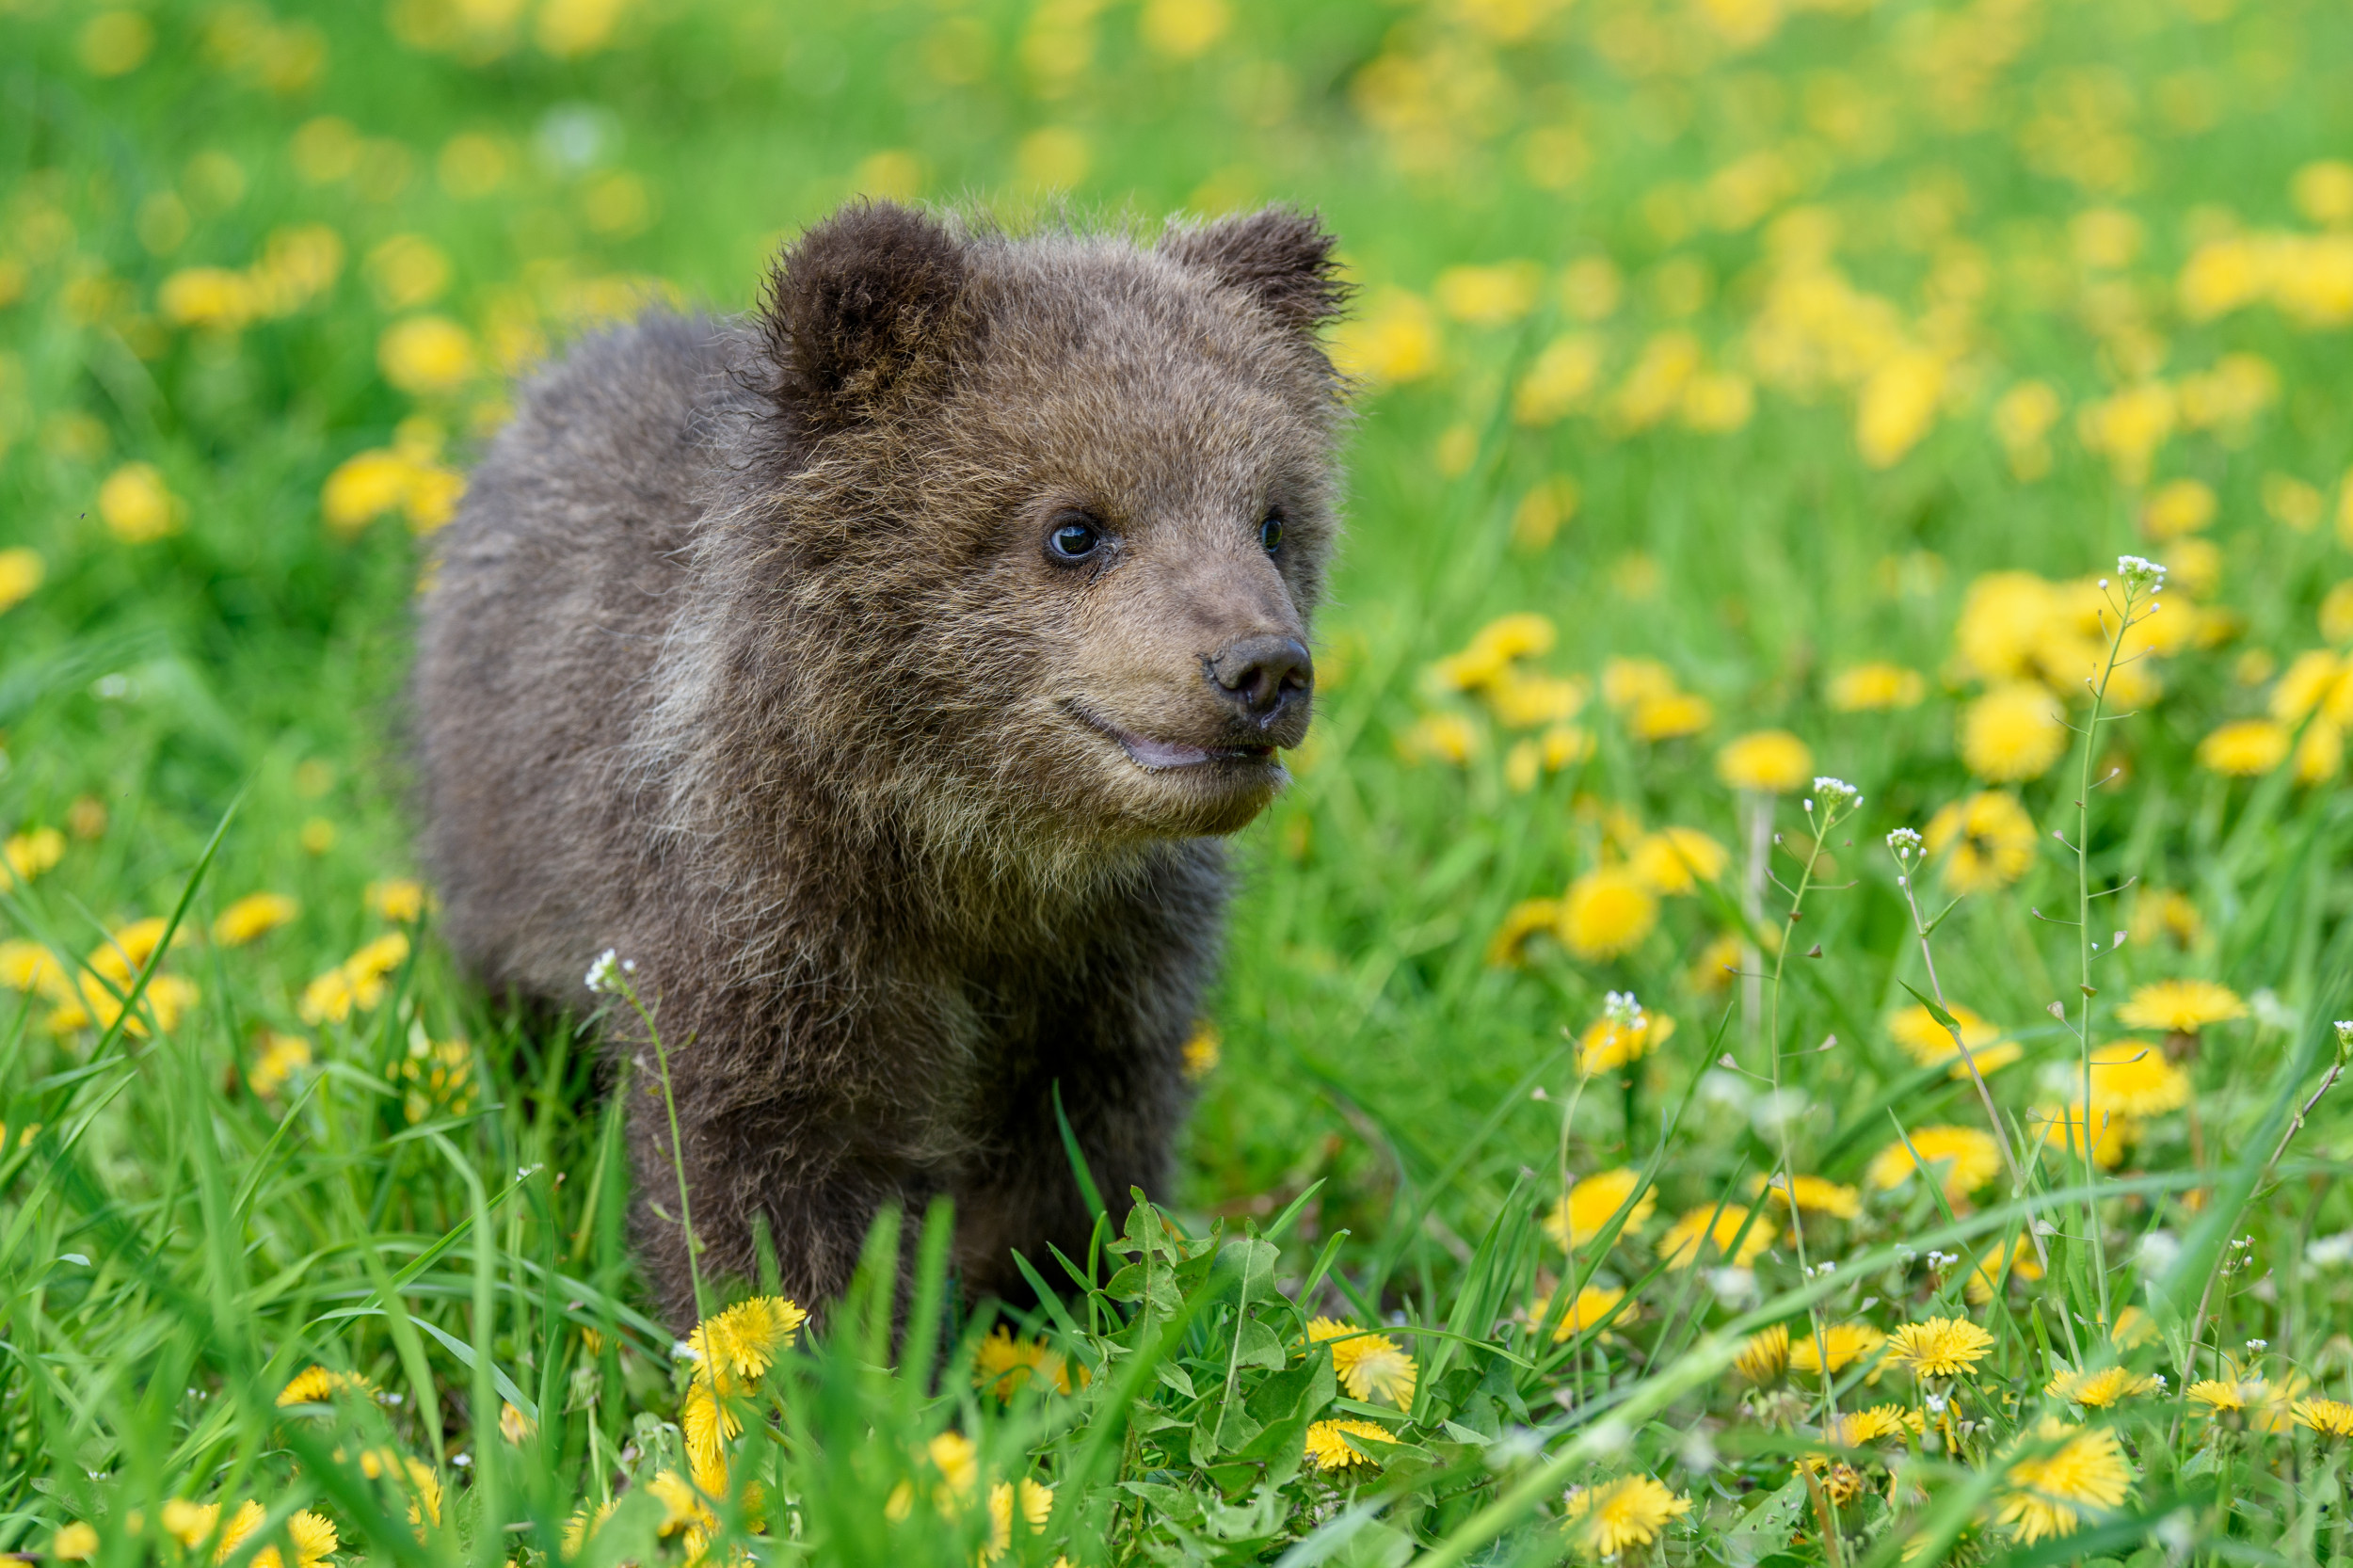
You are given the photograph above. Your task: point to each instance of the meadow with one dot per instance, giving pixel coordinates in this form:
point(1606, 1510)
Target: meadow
point(1788, 1018)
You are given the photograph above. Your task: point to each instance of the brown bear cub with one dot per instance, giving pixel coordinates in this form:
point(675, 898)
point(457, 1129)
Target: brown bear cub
point(877, 675)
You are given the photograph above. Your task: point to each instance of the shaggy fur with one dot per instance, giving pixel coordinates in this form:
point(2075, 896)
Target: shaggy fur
point(749, 656)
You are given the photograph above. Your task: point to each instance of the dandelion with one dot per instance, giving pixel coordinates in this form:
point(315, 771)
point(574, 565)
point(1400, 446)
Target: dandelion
point(2054, 1491)
point(1204, 1050)
point(1838, 1347)
point(2179, 507)
point(318, 1386)
point(135, 504)
point(425, 356)
point(1628, 682)
point(734, 1347)
point(1875, 688)
point(1609, 1044)
point(1764, 1354)
point(356, 984)
point(279, 1057)
point(1036, 1502)
point(1590, 1306)
point(1858, 1427)
point(1004, 1366)
point(1989, 840)
point(2015, 1260)
point(1929, 1042)
point(2181, 1006)
point(1716, 1226)
point(74, 1543)
point(2012, 732)
point(1521, 922)
point(1670, 717)
point(2245, 748)
point(1591, 1204)
point(2328, 1418)
point(1394, 339)
point(2220, 1395)
point(1813, 1194)
point(1676, 860)
point(1604, 1521)
point(398, 899)
point(21, 572)
point(29, 854)
point(1441, 737)
point(1328, 1443)
point(253, 916)
point(1971, 1159)
point(1768, 761)
point(2098, 1390)
point(1369, 1366)
point(1939, 1347)
point(2131, 1077)
point(1606, 912)
point(313, 1537)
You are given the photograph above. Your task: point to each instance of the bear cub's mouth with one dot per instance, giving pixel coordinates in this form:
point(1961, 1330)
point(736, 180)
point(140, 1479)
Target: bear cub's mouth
point(1158, 755)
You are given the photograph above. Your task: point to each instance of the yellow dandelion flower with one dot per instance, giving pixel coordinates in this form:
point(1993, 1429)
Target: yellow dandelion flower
point(1394, 338)
point(2315, 681)
point(2131, 1077)
point(2015, 1262)
point(2015, 732)
point(30, 854)
point(253, 915)
point(1986, 841)
point(1876, 688)
point(1813, 1194)
point(1591, 1203)
point(2220, 1395)
point(516, 1427)
point(1764, 1354)
point(1521, 701)
point(1898, 407)
point(74, 1543)
point(318, 1386)
point(1605, 1520)
point(1971, 1159)
point(1670, 717)
point(2245, 748)
point(1676, 860)
point(1521, 922)
point(30, 967)
point(1714, 1226)
point(313, 1537)
point(1328, 1443)
point(1627, 682)
point(735, 1347)
point(1844, 1343)
point(1606, 1045)
point(136, 506)
point(1770, 761)
point(2054, 1491)
point(190, 1524)
point(363, 488)
point(1036, 1501)
point(21, 572)
point(1204, 1050)
point(2177, 507)
point(1858, 1427)
point(2098, 1390)
point(1929, 1042)
point(2134, 1328)
point(1939, 1347)
point(2330, 1417)
point(708, 1425)
point(1369, 1366)
point(2181, 1006)
point(425, 356)
point(424, 1486)
point(1593, 1304)
point(1004, 1365)
point(1441, 737)
point(398, 899)
point(1489, 295)
point(1606, 912)
point(214, 298)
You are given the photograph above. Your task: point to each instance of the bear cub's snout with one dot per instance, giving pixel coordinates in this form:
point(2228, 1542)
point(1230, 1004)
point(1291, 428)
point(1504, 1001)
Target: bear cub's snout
point(878, 673)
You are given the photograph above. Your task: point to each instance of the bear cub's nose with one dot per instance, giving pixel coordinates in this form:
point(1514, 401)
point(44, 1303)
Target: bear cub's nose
point(1261, 675)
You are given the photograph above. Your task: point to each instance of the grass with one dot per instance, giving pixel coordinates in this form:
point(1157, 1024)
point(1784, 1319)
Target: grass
point(1743, 343)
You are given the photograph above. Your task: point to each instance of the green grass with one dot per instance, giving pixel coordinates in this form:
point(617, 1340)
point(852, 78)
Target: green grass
point(435, 1200)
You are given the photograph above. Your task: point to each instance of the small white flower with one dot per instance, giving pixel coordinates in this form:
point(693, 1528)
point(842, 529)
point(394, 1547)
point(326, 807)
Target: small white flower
point(682, 1351)
point(1622, 1010)
point(2140, 574)
point(1837, 794)
point(1905, 842)
point(605, 975)
point(2257, 1346)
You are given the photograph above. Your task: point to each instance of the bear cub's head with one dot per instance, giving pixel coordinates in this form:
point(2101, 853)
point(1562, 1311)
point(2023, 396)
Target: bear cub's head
point(1081, 493)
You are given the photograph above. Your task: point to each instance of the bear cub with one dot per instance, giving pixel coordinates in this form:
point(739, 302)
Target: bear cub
point(878, 675)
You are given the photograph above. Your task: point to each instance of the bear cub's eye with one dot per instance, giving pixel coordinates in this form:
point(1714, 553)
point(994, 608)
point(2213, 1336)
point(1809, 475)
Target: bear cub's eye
point(1074, 538)
point(1271, 532)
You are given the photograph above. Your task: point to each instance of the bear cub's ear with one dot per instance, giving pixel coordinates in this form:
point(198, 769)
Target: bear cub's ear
point(862, 307)
point(1281, 258)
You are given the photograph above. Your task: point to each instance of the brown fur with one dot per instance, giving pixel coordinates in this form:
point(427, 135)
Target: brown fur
point(747, 658)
